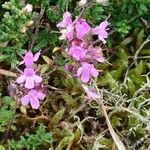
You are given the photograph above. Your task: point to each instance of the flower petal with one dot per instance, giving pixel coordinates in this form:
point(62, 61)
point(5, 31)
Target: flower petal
point(25, 100)
point(20, 79)
point(79, 71)
point(94, 72)
point(81, 28)
point(102, 39)
point(85, 77)
point(29, 84)
point(66, 20)
point(90, 93)
point(22, 62)
point(36, 56)
point(35, 104)
point(40, 95)
point(37, 79)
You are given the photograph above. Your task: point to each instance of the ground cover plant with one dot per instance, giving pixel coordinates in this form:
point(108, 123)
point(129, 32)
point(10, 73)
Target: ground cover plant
point(74, 75)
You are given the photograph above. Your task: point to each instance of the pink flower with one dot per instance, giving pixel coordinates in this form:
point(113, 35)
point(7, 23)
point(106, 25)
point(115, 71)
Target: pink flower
point(33, 98)
point(77, 52)
point(68, 33)
point(28, 8)
point(29, 78)
point(28, 59)
point(86, 72)
point(101, 31)
point(90, 93)
point(96, 53)
point(66, 20)
point(82, 28)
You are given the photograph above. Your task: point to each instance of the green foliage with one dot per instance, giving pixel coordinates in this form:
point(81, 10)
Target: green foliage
point(6, 112)
point(58, 116)
point(125, 15)
point(65, 141)
point(13, 30)
point(32, 141)
point(2, 147)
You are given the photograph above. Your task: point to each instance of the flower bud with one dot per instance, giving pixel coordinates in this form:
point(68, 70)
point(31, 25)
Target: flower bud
point(23, 29)
point(30, 23)
point(67, 67)
point(23, 110)
point(28, 8)
point(82, 2)
point(103, 2)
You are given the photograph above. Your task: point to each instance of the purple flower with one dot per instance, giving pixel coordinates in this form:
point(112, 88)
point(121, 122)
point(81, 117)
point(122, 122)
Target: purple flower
point(96, 53)
point(67, 67)
point(29, 58)
point(77, 52)
point(66, 20)
point(29, 78)
point(33, 98)
point(90, 93)
point(101, 31)
point(86, 72)
point(82, 28)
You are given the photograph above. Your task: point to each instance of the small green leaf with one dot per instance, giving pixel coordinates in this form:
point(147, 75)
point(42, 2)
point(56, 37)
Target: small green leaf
point(58, 116)
point(115, 121)
point(68, 99)
point(47, 59)
point(140, 37)
point(2, 147)
point(131, 87)
point(44, 68)
point(65, 141)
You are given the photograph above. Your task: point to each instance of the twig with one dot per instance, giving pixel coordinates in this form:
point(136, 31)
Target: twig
point(79, 15)
point(116, 109)
point(140, 48)
point(36, 118)
point(126, 74)
point(7, 73)
point(116, 139)
point(140, 57)
point(146, 85)
point(37, 29)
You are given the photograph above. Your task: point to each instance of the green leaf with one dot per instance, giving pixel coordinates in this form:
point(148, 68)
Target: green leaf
point(44, 68)
point(6, 100)
point(115, 121)
point(108, 80)
point(65, 141)
point(57, 117)
point(69, 100)
point(47, 59)
point(133, 122)
point(2, 147)
point(131, 87)
point(140, 37)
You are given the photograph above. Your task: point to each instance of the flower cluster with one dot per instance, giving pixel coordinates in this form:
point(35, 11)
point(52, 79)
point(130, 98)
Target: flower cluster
point(30, 81)
point(80, 49)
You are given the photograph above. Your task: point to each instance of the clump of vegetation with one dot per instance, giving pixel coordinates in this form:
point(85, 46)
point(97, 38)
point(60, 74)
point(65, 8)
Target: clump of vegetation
point(107, 111)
